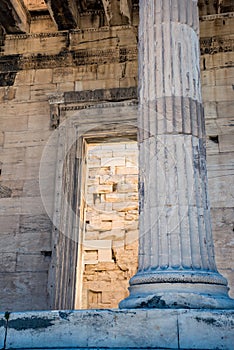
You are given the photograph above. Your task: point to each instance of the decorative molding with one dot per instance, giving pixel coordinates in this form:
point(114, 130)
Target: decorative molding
point(65, 32)
point(101, 56)
point(36, 35)
point(216, 16)
point(102, 98)
point(213, 45)
point(116, 94)
point(68, 59)
point(99, 105)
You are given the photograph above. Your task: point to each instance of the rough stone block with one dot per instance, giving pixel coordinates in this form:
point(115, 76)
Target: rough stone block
point(10, 206)
point(8, 243)
point(38, 122)
point(25, 77)
point(33, 242)
point(100, 189)
point(15, 155)
point(118, 224)
point(26, 138)
point(115, 197)
point(31, 188)
point(124, 207)
point(9, 224)
point(23, 93)
point(7, 262)
point(217, 93)
point(86, 72)
point(219, 191)
point(2, 330)
point(219, 165)
point(110, 161)
point(63, 74)
point(109, 71)
point(65, 86)
point(132, 238)
point(35, 223)
point(33, 153)
point(127, 170)
point(20, 171)
point(43, 76)
point(14, 123)
point(39, 92)
point(212, 147)
point(226, 143)
point(206, 330)
point(32, 262)
point(116, 235)
point(1, 138)
point(115, 329)
point(225, 108)
point(29, 287)
point(210, 110)
point(126, 82)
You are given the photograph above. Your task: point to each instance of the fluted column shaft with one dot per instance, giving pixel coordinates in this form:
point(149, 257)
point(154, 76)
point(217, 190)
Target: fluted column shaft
point(175, 227)
point(176, 256)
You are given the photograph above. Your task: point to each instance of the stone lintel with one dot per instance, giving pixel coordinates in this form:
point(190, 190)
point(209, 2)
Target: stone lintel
point(115, 329)
point(65, 13)
point(14, 16)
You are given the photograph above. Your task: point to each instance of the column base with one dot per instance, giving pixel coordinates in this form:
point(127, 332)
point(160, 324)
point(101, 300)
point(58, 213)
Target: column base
point(176, 290)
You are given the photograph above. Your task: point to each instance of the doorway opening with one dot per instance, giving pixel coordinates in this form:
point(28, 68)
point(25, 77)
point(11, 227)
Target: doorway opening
point(109, 214)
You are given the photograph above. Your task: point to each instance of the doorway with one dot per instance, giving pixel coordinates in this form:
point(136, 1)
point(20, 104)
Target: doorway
point(109, 241)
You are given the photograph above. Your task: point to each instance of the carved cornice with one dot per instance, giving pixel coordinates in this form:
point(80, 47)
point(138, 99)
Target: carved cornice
point(36, 35)
point(216, 16)
point(68, 59)
point(99, 105)
point(64, 32)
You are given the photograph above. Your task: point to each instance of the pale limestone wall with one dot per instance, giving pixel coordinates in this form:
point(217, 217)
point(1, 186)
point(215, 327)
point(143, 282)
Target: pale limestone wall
point(218, 96)
point(111, 217)
point(44, 68)
point(88, 60)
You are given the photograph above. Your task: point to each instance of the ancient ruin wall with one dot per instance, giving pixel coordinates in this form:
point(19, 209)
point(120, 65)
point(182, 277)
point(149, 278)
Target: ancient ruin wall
point(34, 66)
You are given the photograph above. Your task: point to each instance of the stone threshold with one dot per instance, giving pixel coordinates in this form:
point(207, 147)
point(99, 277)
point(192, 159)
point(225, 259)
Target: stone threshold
point(118, 329)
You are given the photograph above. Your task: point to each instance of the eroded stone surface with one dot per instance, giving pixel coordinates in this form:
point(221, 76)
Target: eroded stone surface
point(176, 260)
point(47, 62)
point(2, 330)
point(112, 329)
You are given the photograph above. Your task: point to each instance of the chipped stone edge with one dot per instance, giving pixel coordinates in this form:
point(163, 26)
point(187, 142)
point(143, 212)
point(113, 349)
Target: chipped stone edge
point(222, 318)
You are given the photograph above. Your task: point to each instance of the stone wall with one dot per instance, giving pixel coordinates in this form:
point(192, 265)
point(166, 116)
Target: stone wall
point(32, 68)
point(111, 230)
point(217, 43)
point(35, 66)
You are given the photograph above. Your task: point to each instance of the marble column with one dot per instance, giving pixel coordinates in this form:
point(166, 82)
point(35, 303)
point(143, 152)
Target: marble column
point(176, 256)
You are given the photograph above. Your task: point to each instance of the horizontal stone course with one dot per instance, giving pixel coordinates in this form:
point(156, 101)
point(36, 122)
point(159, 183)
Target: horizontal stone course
point(115, 329)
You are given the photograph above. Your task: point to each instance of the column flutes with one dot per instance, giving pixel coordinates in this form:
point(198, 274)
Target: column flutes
point(176, 255)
